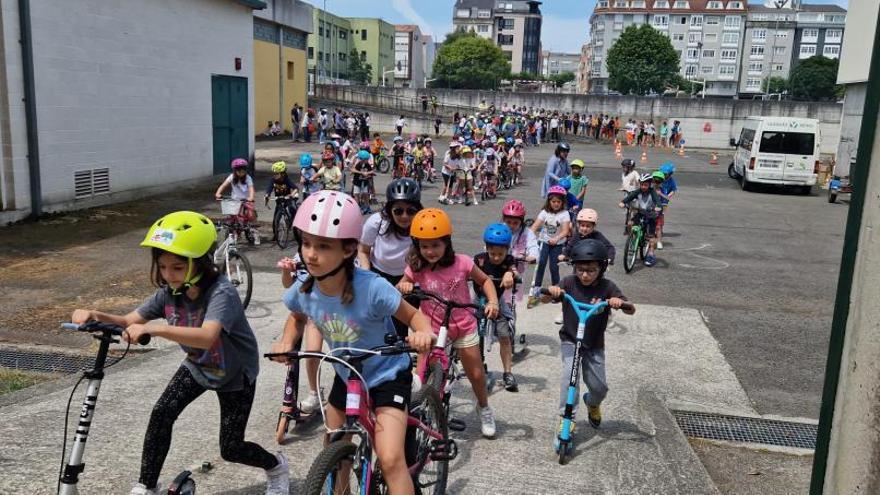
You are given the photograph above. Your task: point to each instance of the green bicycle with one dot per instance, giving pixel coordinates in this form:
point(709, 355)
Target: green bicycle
point(636, 242)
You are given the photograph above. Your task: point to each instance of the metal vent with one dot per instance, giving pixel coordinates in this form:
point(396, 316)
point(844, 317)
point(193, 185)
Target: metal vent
point(44, 362)
point(88, 183)
point(747, 430)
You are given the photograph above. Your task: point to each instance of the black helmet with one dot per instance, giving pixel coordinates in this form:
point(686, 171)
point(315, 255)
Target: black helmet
point(590, 250)
point(562, 147)
point(403, 190)
point(628, 162)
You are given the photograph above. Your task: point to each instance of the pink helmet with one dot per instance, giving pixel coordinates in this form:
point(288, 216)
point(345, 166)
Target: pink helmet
point(588, 215)
point(239, 163)
point(514, 208)
point(330, 214)
point(557, 190)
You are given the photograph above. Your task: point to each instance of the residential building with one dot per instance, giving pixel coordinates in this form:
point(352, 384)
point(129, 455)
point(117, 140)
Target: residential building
point(706, 33)
point(776, 39)
point(374, 39)
point(514, 26)
point(129, 96)
point(409, 56)
point(583, 72)
point(555, 63)
point(280, 67)
point(329, 47)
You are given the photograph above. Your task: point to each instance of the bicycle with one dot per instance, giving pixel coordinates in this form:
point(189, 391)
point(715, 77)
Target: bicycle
point(231, 262)
point(488, 334)
point(342, 462)
point(290, 411)
point(383, 165)
point(636, 243)
point(564, 444)
point(282, 220)
point(105, 334)
point(488, 186)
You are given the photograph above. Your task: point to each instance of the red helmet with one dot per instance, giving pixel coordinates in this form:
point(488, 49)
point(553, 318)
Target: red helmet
point(514, 208)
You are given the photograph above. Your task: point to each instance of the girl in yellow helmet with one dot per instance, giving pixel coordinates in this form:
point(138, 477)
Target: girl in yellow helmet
point(205, 316)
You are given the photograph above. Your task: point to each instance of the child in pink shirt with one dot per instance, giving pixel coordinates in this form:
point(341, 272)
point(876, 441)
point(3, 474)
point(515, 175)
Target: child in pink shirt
point(433, 264)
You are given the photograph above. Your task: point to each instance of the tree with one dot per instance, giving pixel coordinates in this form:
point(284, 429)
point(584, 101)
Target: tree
point(775, 84)
point(561, 79)
point(358, 69)
point(641, 60)
point(814, 78)
point(467, 61)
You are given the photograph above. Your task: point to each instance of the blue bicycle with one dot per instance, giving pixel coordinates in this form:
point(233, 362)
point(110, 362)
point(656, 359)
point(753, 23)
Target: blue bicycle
point(564, 444)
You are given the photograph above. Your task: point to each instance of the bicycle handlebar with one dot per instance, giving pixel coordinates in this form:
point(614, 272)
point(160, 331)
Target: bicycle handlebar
point(94, 326)
point(348, 355)
point(587, 307)
point(423, 295)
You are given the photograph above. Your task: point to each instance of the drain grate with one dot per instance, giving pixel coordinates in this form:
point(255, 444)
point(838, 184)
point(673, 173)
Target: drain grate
point(44, 362)
point(745, 429)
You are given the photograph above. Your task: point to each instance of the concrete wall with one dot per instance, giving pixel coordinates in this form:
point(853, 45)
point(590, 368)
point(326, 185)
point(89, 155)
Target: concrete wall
point(125, 85)
point(850, 126)
point(14, 184)
point(706, 123)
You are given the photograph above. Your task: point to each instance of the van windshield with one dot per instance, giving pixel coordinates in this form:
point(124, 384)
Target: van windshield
point(788, 143)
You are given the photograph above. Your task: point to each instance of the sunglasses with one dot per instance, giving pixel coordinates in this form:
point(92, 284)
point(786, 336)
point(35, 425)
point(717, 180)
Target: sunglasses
point(409, 211)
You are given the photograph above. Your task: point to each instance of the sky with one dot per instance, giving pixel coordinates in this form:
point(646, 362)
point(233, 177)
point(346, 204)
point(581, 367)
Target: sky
point(565, 26)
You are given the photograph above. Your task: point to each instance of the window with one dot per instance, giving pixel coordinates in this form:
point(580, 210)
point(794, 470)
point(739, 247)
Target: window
point(778, 50)
point(620, 4)
point(707, 69)
point(696, 21)
point(505, 39)
point(781, 34)
point(661, 4)
point(708, 53)
point(807, 51)
point(343, 34)
point(731, 22)
point(638, 4)
point(681, 4)
point(788, 143)
point(759, 17)
point(484, 14)
point(683, 20)
point(618, 25)
point(759, 35)
point(753, 83)
point(714, 5)
point(464, 13)
point(778, 67)
point(508, 23)
point(757, 51)
point(809, 35)
point(728, 55)
point(726, 71)
point(713, 20)
point(341, 56)
point(363, 54)
point(713, 37)
point(831, 51)
point(311, 53)
point(833, 35)
point(734, 5)
point(693, 53)
point(730, 39)
point(835, 19)
point(602, 4)
point(678, 37)
point(694, 38)
point(363, 35)
point(600, 26)
point(756, 67)
point(660, 20)
point(321, 31)
point(482, 28)
point(690, 71)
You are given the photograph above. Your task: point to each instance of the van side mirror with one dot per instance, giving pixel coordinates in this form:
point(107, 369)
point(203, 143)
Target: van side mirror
point(733, 142)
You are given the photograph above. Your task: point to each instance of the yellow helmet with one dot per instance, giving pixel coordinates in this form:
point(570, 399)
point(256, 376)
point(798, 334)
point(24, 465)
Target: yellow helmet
point(577, 163)
point(466, 149)
point(279, 167)
point(184, 233)
point(500, 141)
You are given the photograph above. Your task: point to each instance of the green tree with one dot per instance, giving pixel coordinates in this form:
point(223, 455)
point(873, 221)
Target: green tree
point(561, 79)
point(814, 79)
point(775, 84)
point(359, 70)
point(466, 61)
point(641, 60)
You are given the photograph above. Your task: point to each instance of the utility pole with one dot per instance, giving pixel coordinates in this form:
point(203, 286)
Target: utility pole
point(779, 4)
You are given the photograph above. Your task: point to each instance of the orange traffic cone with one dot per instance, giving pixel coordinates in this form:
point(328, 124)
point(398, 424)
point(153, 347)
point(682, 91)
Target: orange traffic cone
point(644, 157)
point(714, 159)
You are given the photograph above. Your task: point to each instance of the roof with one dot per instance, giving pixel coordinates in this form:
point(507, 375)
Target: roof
point(695, 6)
point(405, 28)
point(480, 4)
point(822, 8)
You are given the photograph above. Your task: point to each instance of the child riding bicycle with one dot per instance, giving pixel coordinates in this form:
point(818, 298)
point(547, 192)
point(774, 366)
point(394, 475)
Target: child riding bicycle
point(241, 187)
point(646, 208)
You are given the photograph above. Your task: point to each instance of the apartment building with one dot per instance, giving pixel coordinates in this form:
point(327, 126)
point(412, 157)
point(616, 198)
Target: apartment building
point(776, 39)
point(513, 25)
point(706, 33)
point(409, 56)
point(583, 72)
point(555, 63)
point(329, 46)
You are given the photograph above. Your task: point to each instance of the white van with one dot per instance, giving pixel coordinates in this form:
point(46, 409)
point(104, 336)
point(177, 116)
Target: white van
point(777, 150)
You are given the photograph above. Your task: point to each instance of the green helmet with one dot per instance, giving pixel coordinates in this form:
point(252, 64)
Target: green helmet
point(184, 233)
point(658, 175)
point(279, 167)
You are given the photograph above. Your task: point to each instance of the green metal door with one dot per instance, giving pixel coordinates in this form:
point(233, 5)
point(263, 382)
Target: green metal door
point(229, 109)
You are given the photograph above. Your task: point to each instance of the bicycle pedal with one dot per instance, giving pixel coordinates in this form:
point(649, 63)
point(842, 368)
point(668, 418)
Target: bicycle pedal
point(443, 450)
point(456, 424)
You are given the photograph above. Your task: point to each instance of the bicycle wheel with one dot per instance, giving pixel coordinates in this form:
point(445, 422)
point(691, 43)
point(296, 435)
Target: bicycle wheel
point(240, 275)
point(643, 247)
point(333, 471)
point(283, 229)
point(432, 467)
point(281, 428)
point(630, 251)
point(384, 165)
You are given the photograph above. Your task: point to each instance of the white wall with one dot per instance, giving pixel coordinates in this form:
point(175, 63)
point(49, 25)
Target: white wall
point(127, 85)
point(13, 135)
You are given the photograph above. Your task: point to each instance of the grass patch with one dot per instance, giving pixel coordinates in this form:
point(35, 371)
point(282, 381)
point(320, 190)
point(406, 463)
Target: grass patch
point(12, 380)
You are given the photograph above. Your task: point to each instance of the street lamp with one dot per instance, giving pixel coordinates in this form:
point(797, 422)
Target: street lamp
point(779, 4)
point(427, 81)
point(386, 72)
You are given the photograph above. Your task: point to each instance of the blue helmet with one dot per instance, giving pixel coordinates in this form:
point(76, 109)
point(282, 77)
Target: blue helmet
point(565, 183)
point(667, 168)
point(363, 155)
point(305, 160)
point(497, 234)
point(470, 142)
point(510, 140)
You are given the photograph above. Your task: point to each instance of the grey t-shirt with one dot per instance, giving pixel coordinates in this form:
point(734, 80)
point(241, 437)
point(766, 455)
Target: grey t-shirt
point(233, 355)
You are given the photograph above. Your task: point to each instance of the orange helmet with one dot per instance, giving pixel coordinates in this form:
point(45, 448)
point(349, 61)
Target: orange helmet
point(430, 223)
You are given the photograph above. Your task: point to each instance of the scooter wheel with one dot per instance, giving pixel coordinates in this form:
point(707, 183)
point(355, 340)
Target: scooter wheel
point(281, 428)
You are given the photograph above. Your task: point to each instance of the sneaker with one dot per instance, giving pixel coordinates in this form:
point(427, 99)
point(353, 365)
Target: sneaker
point(460, 201)
point(310, 404)
point(532, 302)
point(510, 382)
point(650, 260)
point(476, 202)
point(278, 478)
point(487, 421)
point(558, 319)
point(141, 489)
point(442, 199)
point(659, 245)
point(594, 414)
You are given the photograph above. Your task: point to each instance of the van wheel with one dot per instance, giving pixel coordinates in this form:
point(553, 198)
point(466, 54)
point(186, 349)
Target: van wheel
point(806, 190)
point(731, 171)
point(744, 183)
